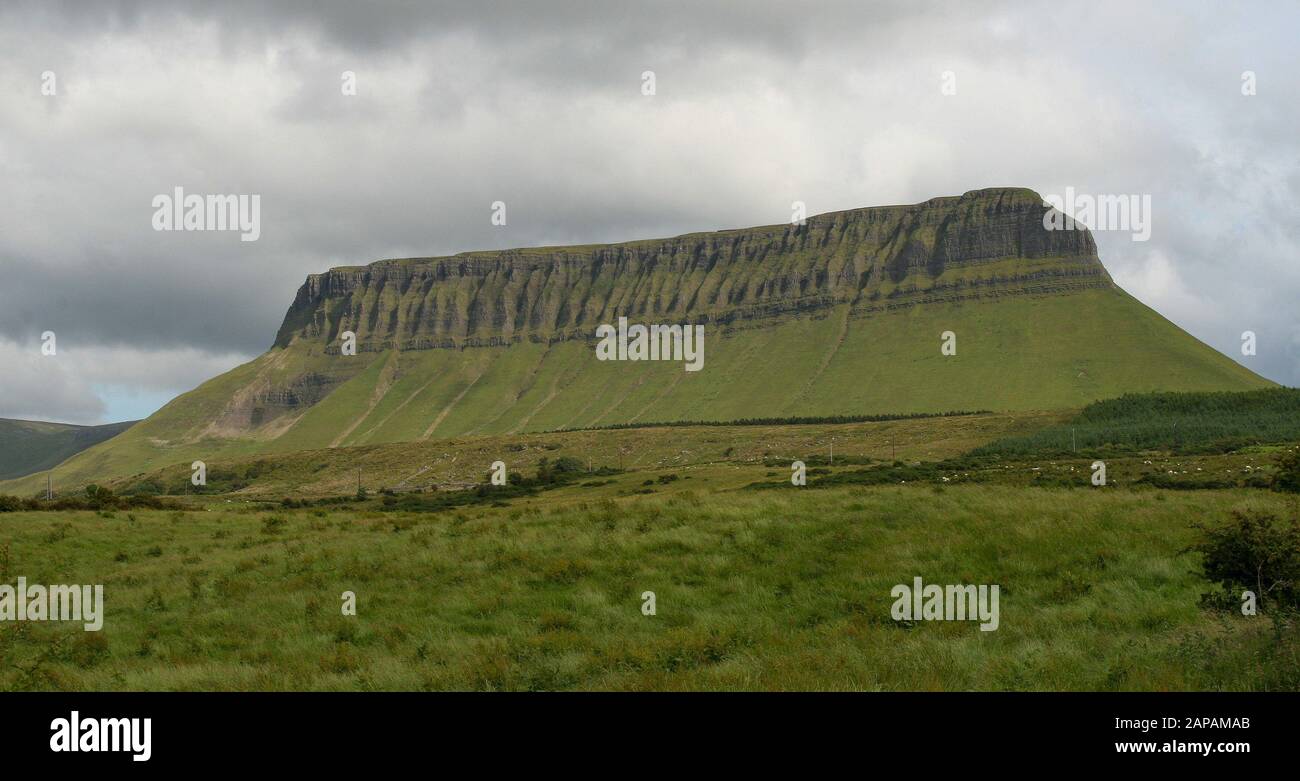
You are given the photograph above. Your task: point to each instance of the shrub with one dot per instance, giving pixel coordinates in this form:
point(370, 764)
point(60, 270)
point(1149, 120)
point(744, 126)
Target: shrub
point(558, 471)
point(567, 464)
point(150, 487)
point(1288, 472)
point(98, 496)
point(1255, 551)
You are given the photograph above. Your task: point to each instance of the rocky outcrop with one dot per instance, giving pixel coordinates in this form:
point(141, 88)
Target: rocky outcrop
point(873, 258)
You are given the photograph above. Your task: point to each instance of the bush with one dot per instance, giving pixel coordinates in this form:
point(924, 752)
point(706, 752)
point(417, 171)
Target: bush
point(1288, 472)
point(150, 487)
point(97, 498)
point(558, 471)
point(1255, 551)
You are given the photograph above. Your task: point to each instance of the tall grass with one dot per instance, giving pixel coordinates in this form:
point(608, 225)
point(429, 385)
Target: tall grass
point(755, 590)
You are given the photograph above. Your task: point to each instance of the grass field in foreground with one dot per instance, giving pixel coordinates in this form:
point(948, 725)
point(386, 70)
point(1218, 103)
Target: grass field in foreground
point(755, 590)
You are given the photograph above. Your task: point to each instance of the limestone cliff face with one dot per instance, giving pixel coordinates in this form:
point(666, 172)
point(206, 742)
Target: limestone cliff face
point(981, 244)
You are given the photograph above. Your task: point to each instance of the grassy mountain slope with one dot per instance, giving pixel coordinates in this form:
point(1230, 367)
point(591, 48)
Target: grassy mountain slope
point(29, 446)
point(452, 463)
point(841, 316)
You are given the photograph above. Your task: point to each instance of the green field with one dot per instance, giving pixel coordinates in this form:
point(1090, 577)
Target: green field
point(755, 590)
point(759, 584)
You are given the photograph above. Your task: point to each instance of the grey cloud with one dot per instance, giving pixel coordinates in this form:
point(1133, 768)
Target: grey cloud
point(587, 24)
point(33, 386)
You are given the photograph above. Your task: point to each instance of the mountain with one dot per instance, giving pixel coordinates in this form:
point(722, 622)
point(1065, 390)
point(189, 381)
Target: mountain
point(842, 315)
point(29, 446)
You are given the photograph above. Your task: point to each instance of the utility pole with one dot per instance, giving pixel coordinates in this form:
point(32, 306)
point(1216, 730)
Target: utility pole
point(49, 493)
point(1073, 445)
point(358, 480)
point(832, 451)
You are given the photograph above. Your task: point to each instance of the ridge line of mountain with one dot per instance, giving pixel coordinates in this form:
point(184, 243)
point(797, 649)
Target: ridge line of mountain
point(984, 239)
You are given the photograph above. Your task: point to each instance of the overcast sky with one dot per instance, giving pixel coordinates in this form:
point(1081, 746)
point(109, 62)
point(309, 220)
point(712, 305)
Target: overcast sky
point(540, 105)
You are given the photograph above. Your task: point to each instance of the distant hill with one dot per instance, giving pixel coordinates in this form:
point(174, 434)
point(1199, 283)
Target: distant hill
point(840, 316)
point(28, 446)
